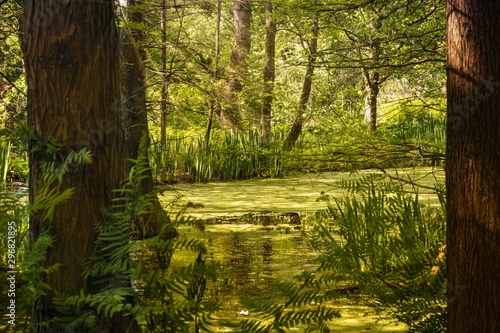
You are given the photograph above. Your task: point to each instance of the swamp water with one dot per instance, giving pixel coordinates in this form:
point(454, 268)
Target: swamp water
point(253, 252)
point(256, 250)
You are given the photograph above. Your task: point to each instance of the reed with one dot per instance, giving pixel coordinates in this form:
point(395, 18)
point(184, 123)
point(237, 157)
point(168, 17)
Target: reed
point(5, 159)
point(227, 156)
point(429, 129)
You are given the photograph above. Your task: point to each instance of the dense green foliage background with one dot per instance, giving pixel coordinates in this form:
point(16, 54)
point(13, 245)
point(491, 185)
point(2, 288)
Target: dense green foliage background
point(380, 238)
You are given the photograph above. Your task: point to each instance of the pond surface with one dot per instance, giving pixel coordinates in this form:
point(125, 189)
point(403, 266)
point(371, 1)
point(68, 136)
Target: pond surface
point(252, 257)
point(295, 194)
point(254, 231)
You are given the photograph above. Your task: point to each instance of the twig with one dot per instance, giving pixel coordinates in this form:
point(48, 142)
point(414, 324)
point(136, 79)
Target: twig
point(433, 188)
point(10, 82)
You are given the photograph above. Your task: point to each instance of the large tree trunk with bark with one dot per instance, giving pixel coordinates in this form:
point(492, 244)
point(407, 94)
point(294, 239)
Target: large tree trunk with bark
point(72, 74)
point(229, 116)
point(135, 111)
point(473, 166)
point(269, 74)
point(296, 129)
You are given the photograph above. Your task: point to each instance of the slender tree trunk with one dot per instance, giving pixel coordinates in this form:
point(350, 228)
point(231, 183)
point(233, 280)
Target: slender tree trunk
point(296, 129)
point(135, 111)
point(473, 166)
point(229, 116)
point(164, 82)
point(372, 77)
point(71, 53)
point(269, 74)
point(214, 103)
point(372, 87)
point(210, 119)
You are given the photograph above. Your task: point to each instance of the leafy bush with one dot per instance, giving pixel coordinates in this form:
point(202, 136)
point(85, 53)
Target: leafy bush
point(159, 299)
point(380, 245)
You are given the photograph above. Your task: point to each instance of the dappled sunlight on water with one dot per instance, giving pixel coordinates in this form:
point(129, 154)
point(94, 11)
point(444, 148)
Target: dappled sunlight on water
point(254, 233)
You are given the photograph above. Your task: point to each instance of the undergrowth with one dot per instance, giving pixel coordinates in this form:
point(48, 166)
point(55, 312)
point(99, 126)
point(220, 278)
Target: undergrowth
point(134, 278)
point(382, 240)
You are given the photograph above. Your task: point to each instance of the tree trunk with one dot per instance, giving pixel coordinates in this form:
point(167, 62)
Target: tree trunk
point(214, 103)
point(269, 74)
point(72, 74)
point(135, 112)
point(372, 86)
point(473, 166)
point(164, 82)
point(229, 115)
point(296, 129)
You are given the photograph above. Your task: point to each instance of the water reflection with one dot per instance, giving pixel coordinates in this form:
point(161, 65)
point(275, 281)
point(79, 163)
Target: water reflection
point(263, 219)
point(254, 254)
point(267, 271)
point(251, 255)
point(238, 267)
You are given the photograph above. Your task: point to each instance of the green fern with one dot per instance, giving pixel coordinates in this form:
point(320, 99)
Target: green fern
point(31, 255)
point(383, 240)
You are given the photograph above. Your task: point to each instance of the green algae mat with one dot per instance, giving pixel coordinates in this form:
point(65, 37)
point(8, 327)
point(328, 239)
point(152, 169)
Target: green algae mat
point(291, 194)
point(251, 258)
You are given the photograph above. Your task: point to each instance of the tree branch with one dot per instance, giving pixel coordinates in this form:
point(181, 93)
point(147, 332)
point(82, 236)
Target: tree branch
point(12, 84)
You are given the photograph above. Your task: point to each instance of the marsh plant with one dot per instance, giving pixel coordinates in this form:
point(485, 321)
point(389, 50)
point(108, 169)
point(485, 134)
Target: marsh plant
point(135, 277)
point(226, 156)
point(378, 245)
point(231, 155)
point(381, 240)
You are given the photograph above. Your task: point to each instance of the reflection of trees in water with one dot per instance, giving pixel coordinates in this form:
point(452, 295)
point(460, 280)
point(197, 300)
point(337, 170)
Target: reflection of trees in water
point(248, 264)
point(242, 272)
point(238, 265)
point(266, 270)
point(267, 251)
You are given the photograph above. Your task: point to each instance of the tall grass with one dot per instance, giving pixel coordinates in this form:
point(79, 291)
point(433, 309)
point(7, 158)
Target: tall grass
point(227, 156)
point(230, 155)
point(428, 129)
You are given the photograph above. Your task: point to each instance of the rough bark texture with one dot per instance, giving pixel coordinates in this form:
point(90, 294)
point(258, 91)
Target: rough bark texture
point(269, 74)
point(135, 111)
point(72, 74)
point(229, 115)
point(473, 166)
point(296, 129)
